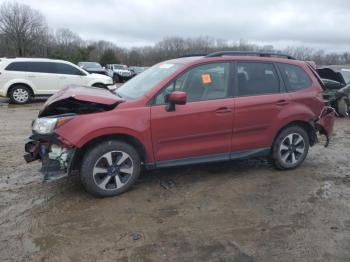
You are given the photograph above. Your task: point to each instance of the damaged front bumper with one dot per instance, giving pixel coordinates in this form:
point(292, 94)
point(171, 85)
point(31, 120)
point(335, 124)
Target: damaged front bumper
point(55, 156)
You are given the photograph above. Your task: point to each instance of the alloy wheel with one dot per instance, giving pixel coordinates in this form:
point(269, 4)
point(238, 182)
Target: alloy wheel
point(292, 149)
point(20, 95)
point(113, 170)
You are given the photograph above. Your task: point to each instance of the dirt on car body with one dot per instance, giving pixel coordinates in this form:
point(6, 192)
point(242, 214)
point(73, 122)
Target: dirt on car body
point(235, 211)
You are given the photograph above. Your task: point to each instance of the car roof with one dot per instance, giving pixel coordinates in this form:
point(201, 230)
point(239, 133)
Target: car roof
point(31, 59)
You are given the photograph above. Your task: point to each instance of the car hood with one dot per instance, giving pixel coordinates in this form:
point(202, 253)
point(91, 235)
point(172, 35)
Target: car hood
point(99, 76)
point(80, 100)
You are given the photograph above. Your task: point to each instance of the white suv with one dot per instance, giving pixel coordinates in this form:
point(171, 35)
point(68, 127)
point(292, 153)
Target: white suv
point(119, 73)
point(23, 78)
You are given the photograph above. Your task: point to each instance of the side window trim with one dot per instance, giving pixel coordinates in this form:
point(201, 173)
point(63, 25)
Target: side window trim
point(288, 88)
point(235, 79)
point(173, 81)
point(283, 76)
point(56, 66)
point(281, 85)
point(28, 67)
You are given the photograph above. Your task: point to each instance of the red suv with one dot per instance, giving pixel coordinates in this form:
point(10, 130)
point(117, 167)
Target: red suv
point(223, 106)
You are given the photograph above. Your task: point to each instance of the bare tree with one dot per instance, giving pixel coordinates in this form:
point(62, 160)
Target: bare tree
point(21, 26)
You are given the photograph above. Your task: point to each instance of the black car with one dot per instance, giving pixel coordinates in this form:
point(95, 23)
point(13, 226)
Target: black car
point(93, 67)
point(337, 82)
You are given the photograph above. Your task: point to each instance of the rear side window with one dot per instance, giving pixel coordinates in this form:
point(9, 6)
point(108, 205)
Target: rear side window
point(35, 67)
point(255, 78)
point(66, 69)
point(295, 77)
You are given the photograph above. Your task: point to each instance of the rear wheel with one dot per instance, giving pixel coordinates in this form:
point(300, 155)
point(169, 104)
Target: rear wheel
point(110, 168)
point(20, 94)
point(290, 148)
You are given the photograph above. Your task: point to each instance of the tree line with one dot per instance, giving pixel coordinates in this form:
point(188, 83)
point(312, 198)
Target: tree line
point(25, 33)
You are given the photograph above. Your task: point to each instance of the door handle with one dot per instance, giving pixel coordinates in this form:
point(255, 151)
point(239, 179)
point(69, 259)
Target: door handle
point(62, 77)
point(223, 110)
point(282, 102)
point(31, 76)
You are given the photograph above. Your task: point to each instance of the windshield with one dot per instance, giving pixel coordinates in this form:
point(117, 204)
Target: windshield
point(346, 75)
point(90, 65)
point(143, 83)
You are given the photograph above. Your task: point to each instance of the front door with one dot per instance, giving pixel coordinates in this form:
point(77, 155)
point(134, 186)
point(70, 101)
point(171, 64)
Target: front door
point(202, 127)
point(42, 77)
point(69, 75)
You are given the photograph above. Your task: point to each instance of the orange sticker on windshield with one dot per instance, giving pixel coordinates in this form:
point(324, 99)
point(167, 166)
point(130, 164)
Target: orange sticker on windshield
point(206, 79)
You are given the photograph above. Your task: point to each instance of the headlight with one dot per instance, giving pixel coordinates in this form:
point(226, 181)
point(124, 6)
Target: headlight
point(46, 125)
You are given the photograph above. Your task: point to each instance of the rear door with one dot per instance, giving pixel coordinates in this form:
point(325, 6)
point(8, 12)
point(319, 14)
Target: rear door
point(259, 100)
point(203, 126)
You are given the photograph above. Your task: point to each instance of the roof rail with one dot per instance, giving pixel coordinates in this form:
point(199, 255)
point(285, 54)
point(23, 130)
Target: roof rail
point(190, 55)
point(249, 53)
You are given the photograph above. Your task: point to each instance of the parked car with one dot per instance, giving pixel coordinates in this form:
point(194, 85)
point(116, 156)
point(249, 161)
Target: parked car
point(119, 73)
point(135, 70)
point(93, 68)
point(337, 82)
point(224, 106)
point(23, 78)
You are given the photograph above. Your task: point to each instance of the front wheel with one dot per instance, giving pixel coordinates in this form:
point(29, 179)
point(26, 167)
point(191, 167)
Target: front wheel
point(290, 148)
point(110, 168)
point(116, 78)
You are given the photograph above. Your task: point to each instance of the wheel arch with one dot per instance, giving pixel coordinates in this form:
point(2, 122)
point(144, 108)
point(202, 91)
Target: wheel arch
point(307, 126)
point(99, 85)
point(19, 84)
point(133, 141)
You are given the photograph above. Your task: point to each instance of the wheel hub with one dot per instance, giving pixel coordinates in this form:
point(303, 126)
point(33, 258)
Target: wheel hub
point(113, 170)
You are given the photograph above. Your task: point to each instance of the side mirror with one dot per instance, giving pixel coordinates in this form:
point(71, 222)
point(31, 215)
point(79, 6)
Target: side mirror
point(175, 98)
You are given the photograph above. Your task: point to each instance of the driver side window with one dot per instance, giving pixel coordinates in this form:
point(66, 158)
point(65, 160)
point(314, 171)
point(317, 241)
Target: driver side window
point(205, 82)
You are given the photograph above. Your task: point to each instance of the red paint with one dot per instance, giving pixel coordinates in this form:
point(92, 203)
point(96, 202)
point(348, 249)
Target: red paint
point(177, 97)
point(196, 128)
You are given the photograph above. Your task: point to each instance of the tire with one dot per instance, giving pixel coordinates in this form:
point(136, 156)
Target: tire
point(20, 94)
point(287, 155)
point(101, 179)
point(116, 78)
point(99, 85)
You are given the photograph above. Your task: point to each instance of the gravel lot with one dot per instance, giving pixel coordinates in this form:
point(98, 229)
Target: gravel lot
point(237, 211)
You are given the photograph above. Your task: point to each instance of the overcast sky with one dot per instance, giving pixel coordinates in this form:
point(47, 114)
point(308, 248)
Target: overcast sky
point(313, 23)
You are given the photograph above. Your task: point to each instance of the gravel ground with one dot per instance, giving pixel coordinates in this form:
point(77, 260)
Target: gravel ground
point(235, 211)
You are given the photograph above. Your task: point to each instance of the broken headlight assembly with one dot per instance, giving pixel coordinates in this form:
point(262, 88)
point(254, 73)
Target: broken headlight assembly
point(46, 125)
